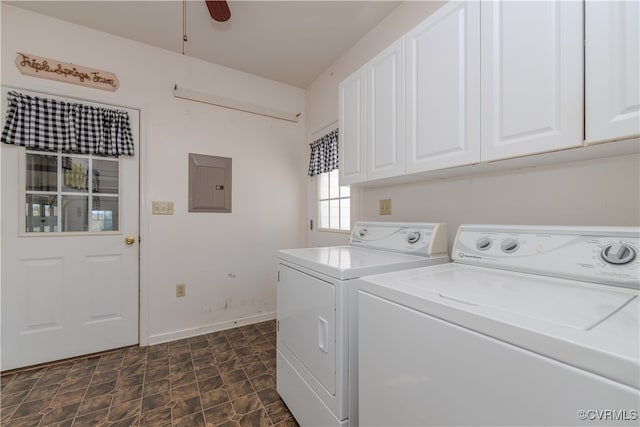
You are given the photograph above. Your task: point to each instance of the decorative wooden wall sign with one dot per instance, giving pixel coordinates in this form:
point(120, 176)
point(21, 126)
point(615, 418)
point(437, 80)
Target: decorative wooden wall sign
point(35, 66)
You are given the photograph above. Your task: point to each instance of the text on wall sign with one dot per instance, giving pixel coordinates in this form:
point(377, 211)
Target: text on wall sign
point(36, 66)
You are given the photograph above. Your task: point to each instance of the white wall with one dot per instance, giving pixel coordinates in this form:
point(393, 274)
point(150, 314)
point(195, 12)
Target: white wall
point(228, 261)
point(595, 192)
point(591, 192)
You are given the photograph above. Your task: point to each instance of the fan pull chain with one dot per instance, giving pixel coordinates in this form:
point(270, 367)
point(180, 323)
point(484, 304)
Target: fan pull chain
point(184, 24)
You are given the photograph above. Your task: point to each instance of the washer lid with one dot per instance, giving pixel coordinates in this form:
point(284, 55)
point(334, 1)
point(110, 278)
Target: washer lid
point(594, 327)
point(349, 262)
point(562, 302)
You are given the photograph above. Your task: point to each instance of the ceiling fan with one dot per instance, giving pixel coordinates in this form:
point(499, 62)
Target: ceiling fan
point(219, 10)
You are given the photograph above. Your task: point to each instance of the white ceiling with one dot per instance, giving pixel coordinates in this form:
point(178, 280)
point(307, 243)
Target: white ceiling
point(287, 41)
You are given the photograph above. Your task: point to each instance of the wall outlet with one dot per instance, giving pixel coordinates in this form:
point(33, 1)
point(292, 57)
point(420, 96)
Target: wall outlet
point(181, 290)
point(385, 207)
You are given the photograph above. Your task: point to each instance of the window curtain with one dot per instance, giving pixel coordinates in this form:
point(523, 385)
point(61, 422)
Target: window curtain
point(324, 154)
point(48, 124)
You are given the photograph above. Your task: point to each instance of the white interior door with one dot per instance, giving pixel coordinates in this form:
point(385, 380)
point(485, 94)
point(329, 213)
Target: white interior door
point(69, 278)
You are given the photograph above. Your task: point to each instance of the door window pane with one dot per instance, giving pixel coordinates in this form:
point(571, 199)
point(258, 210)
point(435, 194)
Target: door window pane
point(334, 213)
point(75, 174)
point(41, 173)
point(74, 213)
point(345, 214)
point(324, 186)
point(41, 213)
point(104, 214)
point(105, 176)
point(324, 213)
point(333, 202)
point(334, 190)
point(66, 193)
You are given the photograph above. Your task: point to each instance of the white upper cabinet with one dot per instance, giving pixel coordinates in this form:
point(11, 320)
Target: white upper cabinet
point(532, 77)
point(351, 123)
point(612, 46)
point(385, 117)
point(443, 89)
point(480, 81)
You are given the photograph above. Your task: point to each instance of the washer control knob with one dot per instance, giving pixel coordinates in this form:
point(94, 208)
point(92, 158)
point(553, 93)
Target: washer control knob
point(618, 253)
point(413, 236)
point(363, 232)
point(510, 245)
point(484, 243)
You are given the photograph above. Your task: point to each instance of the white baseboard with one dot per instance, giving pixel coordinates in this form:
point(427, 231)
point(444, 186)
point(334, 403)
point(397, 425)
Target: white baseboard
point(207, 329)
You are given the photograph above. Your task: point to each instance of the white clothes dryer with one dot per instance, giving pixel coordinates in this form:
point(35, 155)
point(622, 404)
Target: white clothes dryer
point(317, 313)
point(528, 326)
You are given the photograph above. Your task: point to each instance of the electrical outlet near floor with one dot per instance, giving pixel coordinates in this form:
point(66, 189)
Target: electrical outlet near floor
point(385, 207)
point(181, 290)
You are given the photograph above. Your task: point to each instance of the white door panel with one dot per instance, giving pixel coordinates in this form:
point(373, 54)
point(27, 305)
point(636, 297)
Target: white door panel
point(612, 52)
point(531, 68)
point(385, 113)
point(443, 89)
point(66, 294)
point(351, 122)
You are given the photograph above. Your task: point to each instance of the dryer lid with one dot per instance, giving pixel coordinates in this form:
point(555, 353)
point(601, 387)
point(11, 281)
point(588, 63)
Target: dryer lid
point(349, 262)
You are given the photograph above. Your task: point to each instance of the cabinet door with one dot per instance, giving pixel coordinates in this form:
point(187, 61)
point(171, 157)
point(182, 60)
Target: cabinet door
point(612, 46)
point(532, 77)
point(443, 89)
point(385, 113)
point(351, 121)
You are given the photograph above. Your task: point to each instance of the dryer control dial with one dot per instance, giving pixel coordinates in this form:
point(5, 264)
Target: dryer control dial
point(413, 236)
point(618, 253)
point(510, 245)
point(484, 243)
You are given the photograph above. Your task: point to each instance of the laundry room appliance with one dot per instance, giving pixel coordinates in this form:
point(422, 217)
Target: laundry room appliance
point(528, 326)
point(317, 313)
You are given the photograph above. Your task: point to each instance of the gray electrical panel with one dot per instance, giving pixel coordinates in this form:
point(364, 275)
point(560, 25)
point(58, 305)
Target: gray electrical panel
point(209, 183)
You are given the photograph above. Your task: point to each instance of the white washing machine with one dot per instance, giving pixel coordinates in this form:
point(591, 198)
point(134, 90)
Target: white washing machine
point(528, 326)
point(317, 313)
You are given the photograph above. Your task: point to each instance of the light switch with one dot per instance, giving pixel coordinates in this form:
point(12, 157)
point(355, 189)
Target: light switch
point(162, 208)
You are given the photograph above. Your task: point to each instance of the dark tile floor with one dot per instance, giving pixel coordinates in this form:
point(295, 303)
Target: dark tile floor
point(225, 378)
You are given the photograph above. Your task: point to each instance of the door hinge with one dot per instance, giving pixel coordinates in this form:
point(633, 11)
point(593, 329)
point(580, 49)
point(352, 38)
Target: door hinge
point(310, 224)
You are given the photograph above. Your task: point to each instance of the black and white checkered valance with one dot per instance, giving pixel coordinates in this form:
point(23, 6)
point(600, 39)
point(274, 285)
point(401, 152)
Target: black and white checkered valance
point(324, 154)
point(52, 125)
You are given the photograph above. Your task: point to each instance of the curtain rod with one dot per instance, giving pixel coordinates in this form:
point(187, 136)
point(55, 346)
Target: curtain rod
point(36, 92)
point(234, 105)
point(333, 124)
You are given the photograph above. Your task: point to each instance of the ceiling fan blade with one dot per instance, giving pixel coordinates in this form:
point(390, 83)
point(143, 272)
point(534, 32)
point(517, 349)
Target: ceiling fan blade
point(219, 10)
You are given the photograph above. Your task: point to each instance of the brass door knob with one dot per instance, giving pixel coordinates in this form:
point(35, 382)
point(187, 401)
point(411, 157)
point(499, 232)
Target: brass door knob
point(129, 240)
